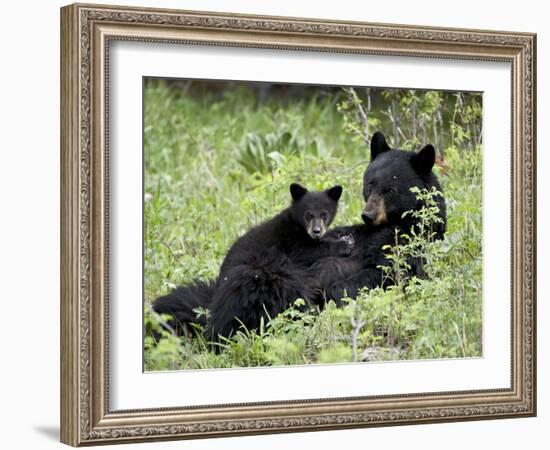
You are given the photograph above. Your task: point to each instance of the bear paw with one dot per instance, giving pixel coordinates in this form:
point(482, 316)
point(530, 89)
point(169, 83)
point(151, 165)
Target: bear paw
point(344, 245)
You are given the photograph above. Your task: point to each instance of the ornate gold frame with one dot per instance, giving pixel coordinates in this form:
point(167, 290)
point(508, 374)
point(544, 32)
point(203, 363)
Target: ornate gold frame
point(86, 31)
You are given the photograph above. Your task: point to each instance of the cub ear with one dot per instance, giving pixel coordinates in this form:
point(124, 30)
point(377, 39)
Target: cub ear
point(297, 191)
point(424, 160)
point(378, 145)
point(334, 193)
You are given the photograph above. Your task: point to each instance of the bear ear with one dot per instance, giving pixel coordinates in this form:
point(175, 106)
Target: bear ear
point(297, 191)
point(334, 193)
point(378, 145)
point(424, 160)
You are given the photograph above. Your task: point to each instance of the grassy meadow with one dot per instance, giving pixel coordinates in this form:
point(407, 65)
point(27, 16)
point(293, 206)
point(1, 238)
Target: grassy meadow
point(219, 158)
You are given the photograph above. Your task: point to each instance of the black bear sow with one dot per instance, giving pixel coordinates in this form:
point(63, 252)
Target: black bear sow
point(387, 184)
point(388, 181)
point(264, 271)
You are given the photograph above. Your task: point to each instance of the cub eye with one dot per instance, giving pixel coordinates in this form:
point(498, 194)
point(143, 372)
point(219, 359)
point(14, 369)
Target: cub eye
point(389, 190)
point(308, 215)
point(324, 215)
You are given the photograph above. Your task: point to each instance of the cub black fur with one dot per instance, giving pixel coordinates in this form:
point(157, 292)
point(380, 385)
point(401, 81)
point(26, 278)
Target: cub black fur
point(265, 270)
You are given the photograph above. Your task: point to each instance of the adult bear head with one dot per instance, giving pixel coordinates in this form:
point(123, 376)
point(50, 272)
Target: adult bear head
point(388, 180)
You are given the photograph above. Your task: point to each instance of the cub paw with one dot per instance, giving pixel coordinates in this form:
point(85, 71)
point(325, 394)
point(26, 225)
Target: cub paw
point(348, 239)
point(344, 245)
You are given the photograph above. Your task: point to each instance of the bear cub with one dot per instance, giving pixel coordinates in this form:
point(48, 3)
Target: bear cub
point(266, 269)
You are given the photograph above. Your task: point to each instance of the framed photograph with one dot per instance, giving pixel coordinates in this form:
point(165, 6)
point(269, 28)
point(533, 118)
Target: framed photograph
point(277, 225)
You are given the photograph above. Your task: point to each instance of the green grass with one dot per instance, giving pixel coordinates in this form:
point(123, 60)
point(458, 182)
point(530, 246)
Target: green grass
point(216, 164)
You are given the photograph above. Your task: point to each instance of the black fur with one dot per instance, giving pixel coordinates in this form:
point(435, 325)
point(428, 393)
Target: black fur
point(266, 269)
point(181, 303)
point(386, 191)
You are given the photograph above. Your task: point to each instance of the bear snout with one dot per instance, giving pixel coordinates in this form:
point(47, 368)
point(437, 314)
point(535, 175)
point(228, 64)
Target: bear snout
point(375, 211)
point(368, 216)
point(316, 229)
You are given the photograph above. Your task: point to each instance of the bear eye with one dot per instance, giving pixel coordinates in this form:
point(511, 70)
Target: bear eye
point(389, 190)
point(308, 215)
point(324, 215)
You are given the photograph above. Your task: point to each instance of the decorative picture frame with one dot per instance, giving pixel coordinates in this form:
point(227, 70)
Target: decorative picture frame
point(87, 31)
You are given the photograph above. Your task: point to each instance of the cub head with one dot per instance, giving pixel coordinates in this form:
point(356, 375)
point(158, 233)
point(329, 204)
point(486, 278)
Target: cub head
point(389, 177)
point(312, 210)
